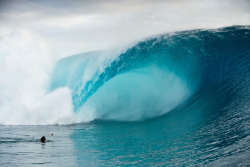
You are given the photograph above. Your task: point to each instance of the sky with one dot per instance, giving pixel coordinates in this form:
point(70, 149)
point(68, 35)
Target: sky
point(71, 27)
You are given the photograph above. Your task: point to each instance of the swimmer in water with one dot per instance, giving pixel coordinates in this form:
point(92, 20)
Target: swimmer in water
point(43, 139)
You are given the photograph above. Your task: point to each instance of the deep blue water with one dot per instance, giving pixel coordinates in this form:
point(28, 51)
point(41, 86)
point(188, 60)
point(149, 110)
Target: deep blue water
point(180, 99)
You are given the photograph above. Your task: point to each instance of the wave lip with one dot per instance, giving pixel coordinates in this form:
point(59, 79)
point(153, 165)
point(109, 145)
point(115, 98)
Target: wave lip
point(152, 77)
point(147, 80)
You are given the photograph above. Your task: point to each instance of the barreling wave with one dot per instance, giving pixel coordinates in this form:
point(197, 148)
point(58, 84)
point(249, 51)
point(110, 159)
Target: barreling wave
point(157, 75)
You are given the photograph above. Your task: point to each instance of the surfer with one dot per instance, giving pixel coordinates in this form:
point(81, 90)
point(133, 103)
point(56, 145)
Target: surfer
point(43, 139)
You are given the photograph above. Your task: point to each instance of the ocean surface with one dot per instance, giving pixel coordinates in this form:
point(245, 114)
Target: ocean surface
point(177, 99)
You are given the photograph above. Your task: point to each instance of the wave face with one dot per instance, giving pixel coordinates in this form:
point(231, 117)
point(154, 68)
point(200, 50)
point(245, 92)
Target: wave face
point(159, 74)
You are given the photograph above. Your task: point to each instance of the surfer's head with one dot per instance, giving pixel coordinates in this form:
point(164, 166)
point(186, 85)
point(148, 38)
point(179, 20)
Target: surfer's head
point(43, 139)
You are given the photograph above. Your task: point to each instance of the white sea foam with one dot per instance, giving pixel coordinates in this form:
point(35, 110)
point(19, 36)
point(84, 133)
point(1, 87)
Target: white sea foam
point(25, 68)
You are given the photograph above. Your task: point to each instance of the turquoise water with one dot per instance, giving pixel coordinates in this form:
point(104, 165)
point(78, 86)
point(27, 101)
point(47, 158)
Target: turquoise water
point(178, 99)
point(180, 138)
